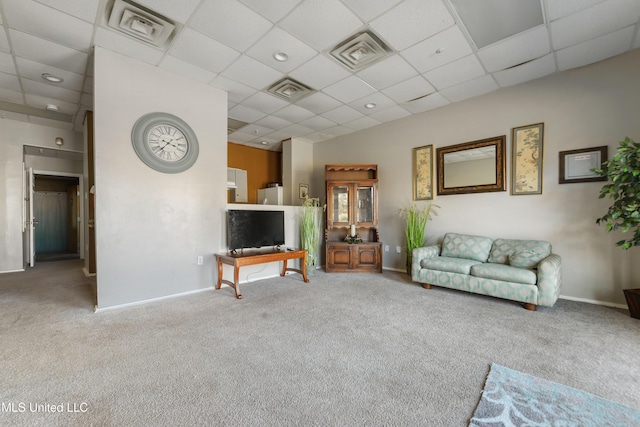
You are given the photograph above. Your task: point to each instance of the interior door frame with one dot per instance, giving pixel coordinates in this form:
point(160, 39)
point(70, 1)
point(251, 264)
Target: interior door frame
point(80, 177)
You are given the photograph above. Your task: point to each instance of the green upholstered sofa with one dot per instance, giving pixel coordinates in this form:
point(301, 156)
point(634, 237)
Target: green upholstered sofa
point(525, 271)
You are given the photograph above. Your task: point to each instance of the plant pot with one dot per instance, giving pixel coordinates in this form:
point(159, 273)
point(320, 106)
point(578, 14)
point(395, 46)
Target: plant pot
point(633, 301)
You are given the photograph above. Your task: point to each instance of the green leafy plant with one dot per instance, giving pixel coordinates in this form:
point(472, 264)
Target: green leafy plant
point(415, 226)
point(623, 172)
point(310, 230)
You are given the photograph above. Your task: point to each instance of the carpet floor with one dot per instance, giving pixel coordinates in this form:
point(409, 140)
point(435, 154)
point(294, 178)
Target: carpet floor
point(343, 350)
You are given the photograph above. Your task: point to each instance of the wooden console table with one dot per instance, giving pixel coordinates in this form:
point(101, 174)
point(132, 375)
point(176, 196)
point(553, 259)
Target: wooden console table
point(257, 256)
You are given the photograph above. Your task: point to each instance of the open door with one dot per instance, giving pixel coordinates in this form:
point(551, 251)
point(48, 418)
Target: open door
point(29, 221)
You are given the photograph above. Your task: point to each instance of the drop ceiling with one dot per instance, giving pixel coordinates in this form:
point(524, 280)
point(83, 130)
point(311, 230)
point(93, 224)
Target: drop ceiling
point(435, 52)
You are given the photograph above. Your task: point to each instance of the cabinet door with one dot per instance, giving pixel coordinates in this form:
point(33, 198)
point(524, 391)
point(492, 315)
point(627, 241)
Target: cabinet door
point(241, 186)
point(338, 205)
point(365, 205)
point(369, 257)
point(339, 257)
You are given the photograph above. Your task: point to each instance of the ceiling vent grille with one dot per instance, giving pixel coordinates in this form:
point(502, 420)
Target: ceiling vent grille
point(360, 51)
point(289, 89)
point(141, 23)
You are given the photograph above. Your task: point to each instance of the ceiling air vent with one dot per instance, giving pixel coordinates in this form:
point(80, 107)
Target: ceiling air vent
point(141, 23)
point(360, 51)
point(289, 89)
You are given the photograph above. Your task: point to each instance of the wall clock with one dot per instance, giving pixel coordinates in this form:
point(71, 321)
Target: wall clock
point(165, 142)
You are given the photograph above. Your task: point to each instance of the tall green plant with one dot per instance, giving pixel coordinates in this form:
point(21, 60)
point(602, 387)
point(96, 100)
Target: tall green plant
point(623, 172)
point(310, 230)
point(415, 226)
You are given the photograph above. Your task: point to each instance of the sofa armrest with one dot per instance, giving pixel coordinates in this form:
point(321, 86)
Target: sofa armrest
point(549, 280)
point(418, 254)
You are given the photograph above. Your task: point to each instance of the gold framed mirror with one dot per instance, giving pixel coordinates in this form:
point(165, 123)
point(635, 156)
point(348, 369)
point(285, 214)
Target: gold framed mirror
point(472, 167)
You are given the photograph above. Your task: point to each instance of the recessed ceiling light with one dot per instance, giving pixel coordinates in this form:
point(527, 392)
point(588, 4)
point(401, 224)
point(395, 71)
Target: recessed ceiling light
point(370, 105)
point(280, 56)
point(264, 143)
point(51, 78)
point(52, 107)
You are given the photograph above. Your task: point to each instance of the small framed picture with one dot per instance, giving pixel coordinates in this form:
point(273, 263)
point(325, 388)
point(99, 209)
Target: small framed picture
point(423, 173)
point(578, 165)
point(526, 163)
point(303, 191)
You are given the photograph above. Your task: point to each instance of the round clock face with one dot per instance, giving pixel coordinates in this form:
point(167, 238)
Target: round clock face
point(164, 142)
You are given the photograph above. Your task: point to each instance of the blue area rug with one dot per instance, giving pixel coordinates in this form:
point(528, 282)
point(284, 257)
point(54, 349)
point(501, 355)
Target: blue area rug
point(511, 398)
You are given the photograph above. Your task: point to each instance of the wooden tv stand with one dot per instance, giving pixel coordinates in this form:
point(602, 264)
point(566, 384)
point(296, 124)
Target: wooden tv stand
point(259, 256)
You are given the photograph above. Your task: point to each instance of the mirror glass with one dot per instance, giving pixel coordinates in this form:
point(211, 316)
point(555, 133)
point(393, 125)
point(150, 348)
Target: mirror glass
point(472, 167)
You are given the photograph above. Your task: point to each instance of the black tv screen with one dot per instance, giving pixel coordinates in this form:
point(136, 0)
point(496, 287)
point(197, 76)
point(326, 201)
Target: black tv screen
point(254, 229)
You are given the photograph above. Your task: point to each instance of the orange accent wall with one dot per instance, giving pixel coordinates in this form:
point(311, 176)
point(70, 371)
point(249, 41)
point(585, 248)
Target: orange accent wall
point(262, 166)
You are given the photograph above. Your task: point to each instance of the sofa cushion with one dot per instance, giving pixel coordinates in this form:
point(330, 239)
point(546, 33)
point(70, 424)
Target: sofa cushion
point(465, 246)
point(502, 249)
point(450, 265)
point(504, 273)
point(525, 259)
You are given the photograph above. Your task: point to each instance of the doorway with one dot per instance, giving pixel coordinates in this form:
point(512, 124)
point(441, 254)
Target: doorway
point(56, 206)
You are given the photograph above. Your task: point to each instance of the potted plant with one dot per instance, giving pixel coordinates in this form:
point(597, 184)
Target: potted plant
point(415, 226)
point(310, 231)
point(623, 173)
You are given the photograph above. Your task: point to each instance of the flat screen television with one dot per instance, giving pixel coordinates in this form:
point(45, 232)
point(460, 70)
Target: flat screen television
point(254, 229)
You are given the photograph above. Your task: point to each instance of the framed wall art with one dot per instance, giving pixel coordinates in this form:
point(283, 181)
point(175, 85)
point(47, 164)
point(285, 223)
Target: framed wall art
point(578, 165)
point(423, 173)
point(526, 162)
point(303, 191)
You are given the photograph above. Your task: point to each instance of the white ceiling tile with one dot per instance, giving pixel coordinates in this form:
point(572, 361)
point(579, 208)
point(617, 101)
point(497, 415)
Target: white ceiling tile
point(6, 63)
point(278, 40)
point(230, 22)
point(10, 81)
point(595, 50)
point(273, 10)
point(594, 22)
point(362, 123)
point(278, 135)
point(320, 72)
point(46, 52)
point(297, 130)
point(456, 72)
point(369, 9)
point(179, 11)
point(11, 95)
point(240, 137)
point(342, 114)
point(349, 89)
point(469, 89)
point(127, 46)
point(317, 123)
point(42, 102)
point(412, 21)
point(56, 26)
point(390, 114)
point(185, 69)
point(4, 41)
point(318, 103)
point(387, 72)
point(555, 9)
point(33, 70)
point(438, 50)
point(431, 102)
point(339, 130)
point(293, 113)
point(317, 137)
point(257, 131)
point(273, 122)
point(43, 89)
point(377, 98)
point(252, 73)
point(265, 102)
point(202, 51)
point(516, 50)
point(321, 23)
point(83, 9)
point(237, 92)
point(245, 114)
point(530, 71)
point(51, 123)
point(410, 89)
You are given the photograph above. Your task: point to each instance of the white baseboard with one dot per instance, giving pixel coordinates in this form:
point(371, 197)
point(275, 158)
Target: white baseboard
point(146, 301)
point(86, 272)
point(595, 302)
point(399, 270)
point(12, 271)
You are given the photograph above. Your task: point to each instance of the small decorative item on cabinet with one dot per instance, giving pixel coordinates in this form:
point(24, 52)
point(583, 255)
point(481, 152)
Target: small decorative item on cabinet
point(351, 234)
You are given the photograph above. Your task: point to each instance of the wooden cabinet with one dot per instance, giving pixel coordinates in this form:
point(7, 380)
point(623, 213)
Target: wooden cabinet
point(352, 206)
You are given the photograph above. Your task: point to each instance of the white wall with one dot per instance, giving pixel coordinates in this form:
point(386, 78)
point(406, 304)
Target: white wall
point(14, 135)
point(297, 168)
point(151, 226)
point(587, 107)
